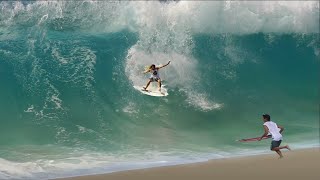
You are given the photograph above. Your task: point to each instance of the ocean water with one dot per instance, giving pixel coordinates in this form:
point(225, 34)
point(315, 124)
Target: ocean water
point(68, 108)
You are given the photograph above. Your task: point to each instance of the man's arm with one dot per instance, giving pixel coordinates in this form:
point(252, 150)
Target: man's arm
point(266, 130)
point(146, 71)
point(164, 65)
point(281, 129)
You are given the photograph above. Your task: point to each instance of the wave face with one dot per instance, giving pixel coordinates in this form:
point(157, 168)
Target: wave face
point(67, 69)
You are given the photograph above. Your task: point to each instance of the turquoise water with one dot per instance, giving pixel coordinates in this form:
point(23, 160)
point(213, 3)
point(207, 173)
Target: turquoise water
point(68, 107)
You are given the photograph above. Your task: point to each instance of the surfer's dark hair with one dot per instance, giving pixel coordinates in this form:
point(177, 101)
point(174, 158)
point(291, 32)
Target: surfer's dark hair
point(266, 116)
point(152, 65)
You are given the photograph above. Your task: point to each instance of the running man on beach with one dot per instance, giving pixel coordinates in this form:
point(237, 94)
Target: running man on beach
point(272, 128)
point(155, 76)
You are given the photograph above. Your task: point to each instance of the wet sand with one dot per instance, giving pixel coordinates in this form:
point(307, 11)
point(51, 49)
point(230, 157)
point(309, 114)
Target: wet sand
point(296, 165)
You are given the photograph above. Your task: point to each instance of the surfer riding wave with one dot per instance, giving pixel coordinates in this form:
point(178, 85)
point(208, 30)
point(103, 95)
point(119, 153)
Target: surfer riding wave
point(155, 76)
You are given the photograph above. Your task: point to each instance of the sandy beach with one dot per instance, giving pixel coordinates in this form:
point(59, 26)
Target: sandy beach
point(296, 165)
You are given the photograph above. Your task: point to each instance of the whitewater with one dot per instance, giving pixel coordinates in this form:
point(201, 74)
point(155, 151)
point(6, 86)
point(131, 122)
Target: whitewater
point(67, 71)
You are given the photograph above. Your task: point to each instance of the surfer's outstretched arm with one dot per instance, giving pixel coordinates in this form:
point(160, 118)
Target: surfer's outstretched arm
point(164, 65)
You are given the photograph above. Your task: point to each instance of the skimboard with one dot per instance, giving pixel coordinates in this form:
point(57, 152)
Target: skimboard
point(254, 139)
point(152, 91)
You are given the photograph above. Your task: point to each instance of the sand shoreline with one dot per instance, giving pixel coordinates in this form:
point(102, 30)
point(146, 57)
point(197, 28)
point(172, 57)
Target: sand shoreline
point(296, 164)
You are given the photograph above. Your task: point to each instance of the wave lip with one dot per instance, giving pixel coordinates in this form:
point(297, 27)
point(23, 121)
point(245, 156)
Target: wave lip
point(198, 17)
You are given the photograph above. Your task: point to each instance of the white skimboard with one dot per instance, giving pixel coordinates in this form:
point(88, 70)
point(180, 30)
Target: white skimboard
point(153, 91)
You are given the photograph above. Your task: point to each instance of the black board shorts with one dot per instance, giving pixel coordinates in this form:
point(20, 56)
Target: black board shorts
point(275, 144)
point(154, 79)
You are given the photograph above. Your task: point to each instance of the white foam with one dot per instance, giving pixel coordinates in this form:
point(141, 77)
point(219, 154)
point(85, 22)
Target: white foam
point(220, 16)
point(81, 163)
point(223, 16)
point(201, 101)
point(179, 17)
point(13, 170)
point(130, 108)
point(30, 109)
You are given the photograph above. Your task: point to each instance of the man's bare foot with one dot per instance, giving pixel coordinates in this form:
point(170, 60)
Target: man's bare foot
point(288, 147)
point(144, 89)
point(280, 157)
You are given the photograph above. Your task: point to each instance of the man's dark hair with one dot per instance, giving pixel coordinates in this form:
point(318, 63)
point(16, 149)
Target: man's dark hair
point(266, 116)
